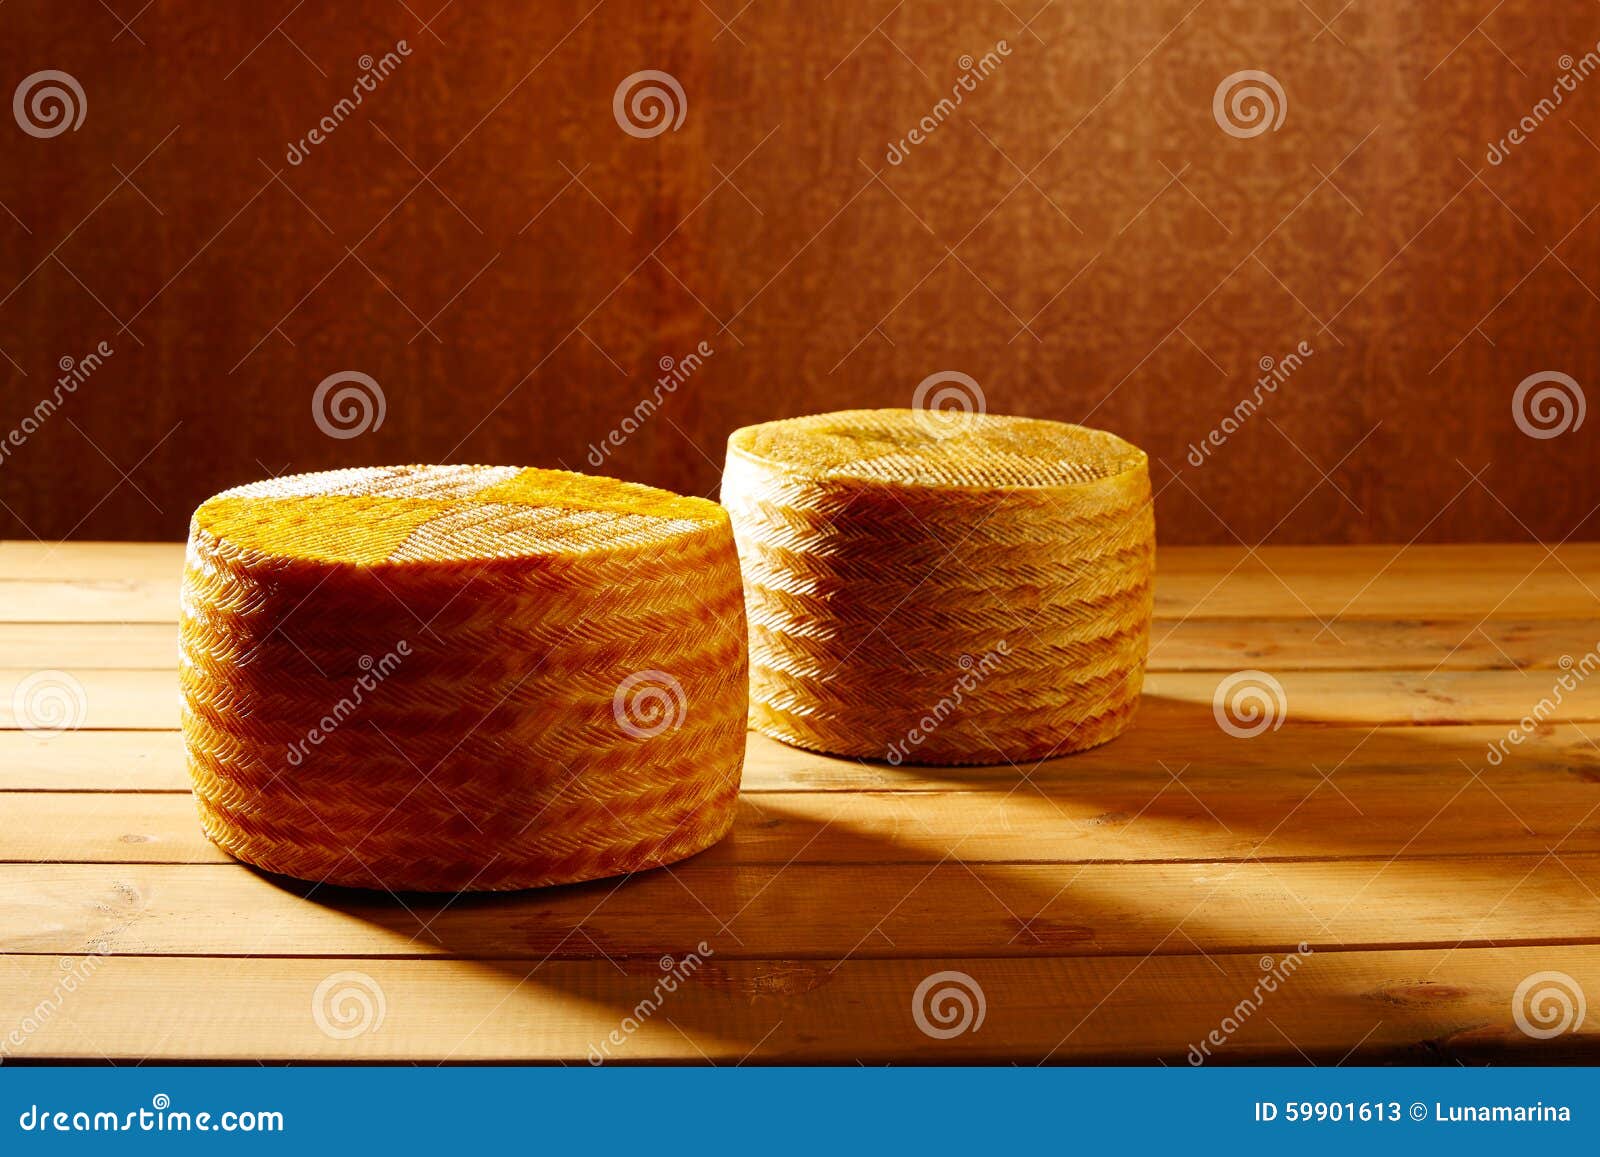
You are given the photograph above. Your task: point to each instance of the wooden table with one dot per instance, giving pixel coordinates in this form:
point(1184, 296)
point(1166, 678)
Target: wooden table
point(1113, 906)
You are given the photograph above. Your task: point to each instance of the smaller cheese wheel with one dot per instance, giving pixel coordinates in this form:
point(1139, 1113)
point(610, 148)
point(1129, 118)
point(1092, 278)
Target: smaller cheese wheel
point(454, 678)
point(942, 588)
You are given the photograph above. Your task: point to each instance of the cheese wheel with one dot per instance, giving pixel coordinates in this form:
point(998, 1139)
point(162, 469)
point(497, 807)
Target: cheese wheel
point(452, 678)
point(942, 588)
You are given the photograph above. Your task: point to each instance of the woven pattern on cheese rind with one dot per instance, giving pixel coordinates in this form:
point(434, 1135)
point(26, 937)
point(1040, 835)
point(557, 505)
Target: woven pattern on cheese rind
point(487, 752)
point(942, 589)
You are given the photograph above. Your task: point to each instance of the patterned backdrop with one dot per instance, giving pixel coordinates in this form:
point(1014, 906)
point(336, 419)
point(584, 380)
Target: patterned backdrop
point(1334, 264)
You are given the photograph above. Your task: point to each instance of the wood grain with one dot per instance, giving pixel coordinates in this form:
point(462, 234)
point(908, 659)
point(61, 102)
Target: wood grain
point(1407, 1007)
point(822, 912)
point(1137, 814)
point(1113, 906)
point(147, 761)
point(1193, 643)
point(124, 700)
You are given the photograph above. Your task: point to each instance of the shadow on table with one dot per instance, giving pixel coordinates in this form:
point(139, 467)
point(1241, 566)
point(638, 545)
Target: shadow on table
point(1175, 840)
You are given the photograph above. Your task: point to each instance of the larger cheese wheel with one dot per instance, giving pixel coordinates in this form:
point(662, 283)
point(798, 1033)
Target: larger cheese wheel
point(945, 588)
point(450, 678)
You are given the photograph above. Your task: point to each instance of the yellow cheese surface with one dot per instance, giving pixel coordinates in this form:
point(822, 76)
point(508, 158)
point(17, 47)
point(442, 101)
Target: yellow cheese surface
point(462, 677)
point(942, 588)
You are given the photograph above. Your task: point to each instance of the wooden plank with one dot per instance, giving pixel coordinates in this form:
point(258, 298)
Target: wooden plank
point(1193, 644)
point(90, 698)
point(116, 761)
point(89, 582)
point(96, 561)
point(808, 911)
point(1138, 814)
point(1419, 1007)
point(92, 761)
point(1476, 580)
point(1289, 644)
point(148, 700)
point(111, 600)
point(138, 582)
point(143, 646)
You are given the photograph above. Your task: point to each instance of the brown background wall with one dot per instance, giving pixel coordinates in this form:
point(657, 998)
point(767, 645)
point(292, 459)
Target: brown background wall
point(485, 242)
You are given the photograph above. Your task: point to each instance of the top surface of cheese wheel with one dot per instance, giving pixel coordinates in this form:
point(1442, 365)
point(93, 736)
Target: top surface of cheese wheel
point(402, 515)
point(935, 448)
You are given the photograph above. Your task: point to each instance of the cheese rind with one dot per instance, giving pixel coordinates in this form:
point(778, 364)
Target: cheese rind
point(462, 678)
point(942, 589)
